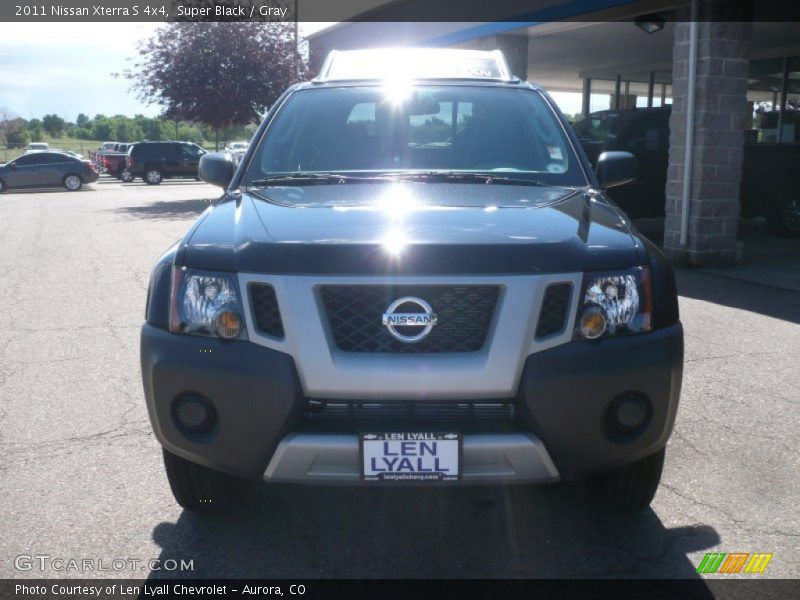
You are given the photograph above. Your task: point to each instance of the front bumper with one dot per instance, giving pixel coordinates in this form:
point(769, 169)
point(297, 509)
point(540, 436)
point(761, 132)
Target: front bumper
point(563, 396)
point(486, 458)
point(254, 389)
point(565, 392)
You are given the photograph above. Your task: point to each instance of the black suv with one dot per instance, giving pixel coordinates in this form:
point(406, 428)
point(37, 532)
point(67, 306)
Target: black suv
point(413, 280)
point(769, 182)
point(155, 161)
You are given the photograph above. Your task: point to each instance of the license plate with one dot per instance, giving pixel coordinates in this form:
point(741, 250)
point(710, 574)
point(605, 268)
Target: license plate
point(410, 457)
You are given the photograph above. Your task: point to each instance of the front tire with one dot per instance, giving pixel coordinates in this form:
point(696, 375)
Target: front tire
point(73, 182)
point(200, 489)
point(2, 186)
point(153, 177)
point(630, 488)
point(126, 176)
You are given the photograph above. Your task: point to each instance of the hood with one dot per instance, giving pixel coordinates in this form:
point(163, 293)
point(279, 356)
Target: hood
point(411, 228)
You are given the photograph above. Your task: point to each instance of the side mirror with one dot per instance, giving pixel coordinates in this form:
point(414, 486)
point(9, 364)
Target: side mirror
point(217, 168)
point(615, 168)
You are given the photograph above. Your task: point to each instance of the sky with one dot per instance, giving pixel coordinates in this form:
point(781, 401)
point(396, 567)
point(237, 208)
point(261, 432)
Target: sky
point(52, 68)
point(66, 69)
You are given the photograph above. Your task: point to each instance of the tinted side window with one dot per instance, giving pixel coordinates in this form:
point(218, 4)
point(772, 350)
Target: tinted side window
point(170, 151)
point(602, 126)
point(645, 134)
point(191, 150)
point(29, 160)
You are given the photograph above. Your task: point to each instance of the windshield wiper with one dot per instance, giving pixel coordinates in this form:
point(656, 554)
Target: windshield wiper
point(467, 177)
point(308, 179)
point(301, 178)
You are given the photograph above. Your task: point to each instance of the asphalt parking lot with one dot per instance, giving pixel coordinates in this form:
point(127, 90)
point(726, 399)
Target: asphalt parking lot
point(81, 473)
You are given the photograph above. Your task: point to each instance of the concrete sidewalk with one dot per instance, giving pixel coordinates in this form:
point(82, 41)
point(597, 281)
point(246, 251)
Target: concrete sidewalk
point(766, 258)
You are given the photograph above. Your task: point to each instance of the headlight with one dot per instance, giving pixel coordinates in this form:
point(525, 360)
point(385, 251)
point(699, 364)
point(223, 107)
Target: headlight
point(206, 303)
point(615, 303)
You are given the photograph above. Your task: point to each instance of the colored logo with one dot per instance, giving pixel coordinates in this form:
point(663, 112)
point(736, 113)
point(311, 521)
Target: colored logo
point(735, 562)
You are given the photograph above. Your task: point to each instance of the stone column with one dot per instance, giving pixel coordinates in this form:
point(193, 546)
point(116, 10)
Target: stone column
point(721, 115)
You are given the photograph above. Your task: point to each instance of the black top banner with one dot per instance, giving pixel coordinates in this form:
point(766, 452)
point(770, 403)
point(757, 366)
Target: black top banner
point(464, 11)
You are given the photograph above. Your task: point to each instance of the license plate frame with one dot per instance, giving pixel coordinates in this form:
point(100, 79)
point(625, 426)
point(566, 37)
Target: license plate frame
point(422, 450)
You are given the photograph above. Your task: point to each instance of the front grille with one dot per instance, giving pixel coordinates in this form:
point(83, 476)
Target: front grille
point(355, 316)
point(555, 307)
point(410, 413)
point(266, 313)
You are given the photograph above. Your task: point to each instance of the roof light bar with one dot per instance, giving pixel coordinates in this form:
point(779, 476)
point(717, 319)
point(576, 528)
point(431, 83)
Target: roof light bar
point(414, 63)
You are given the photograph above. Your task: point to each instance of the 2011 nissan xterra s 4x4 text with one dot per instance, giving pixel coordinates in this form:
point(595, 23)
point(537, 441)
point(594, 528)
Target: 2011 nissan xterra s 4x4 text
point(413, 276)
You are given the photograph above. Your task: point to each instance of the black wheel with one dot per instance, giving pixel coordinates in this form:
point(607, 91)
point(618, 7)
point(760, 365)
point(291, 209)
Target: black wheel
point(153, 176)
point(632, 487)
point(201, 489)
point(784, 217)
point(73, 182)
point(126, 176)
point(2, 186)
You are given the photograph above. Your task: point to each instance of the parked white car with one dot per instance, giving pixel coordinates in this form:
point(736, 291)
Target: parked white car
point(38, 147)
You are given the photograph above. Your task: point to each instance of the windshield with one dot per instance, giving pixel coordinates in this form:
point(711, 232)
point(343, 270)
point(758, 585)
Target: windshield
point(416, 131)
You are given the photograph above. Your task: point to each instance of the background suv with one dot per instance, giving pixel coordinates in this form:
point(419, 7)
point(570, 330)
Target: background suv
point(155, 161)
point(769, 180)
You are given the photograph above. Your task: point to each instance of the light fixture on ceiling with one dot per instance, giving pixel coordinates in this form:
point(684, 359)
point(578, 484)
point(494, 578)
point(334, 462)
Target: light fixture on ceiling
point(650, 23)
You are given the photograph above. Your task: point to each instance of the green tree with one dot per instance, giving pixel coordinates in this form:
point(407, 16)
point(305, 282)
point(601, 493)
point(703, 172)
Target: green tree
point(53, 125)
point(5, 118)
point(102, 128)
point(219, 74)
point(188, 132)
point(35, 130)
point(154, 129)
point(16, 133)
point(84, 133)
point(126, 130)
point(82, 120)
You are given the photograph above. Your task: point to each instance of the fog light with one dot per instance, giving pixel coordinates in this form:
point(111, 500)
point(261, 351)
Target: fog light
point(194, 412)
point(629, 412)
point(228, 325)
point(593, 323)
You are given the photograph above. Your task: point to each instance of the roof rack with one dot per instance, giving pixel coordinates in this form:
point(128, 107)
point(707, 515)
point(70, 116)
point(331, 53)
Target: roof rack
point(414, 63)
